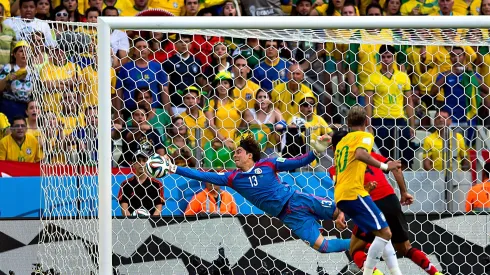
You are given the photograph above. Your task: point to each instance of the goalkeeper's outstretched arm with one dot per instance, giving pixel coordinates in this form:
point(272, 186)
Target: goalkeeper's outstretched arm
point(214, 178)
point(283, 164)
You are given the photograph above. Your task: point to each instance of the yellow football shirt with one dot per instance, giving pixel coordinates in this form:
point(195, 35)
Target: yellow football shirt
point(228, 117)
point(90, 85)
point(434, 148)
point(51, 72)
point(176, 7)
point(350, 172)
point(248, 93)
point(70, 123)
point(425, 7)
point(130, 12)
point(366, 55)
point(28, 151)
point(389, 94)
point(4, 125)
point(287, 102)
point(193, 124)
point(83, 5)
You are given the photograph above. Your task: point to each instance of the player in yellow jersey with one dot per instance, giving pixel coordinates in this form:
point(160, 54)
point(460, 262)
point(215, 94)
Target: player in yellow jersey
point(20, 146)
point(352, 156)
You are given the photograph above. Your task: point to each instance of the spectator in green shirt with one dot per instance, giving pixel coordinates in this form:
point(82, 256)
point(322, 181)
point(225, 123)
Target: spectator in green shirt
point(156, 117)
point(7, 36)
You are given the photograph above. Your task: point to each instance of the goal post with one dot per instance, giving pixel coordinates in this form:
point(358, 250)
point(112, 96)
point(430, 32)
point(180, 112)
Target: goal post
point(290, 28)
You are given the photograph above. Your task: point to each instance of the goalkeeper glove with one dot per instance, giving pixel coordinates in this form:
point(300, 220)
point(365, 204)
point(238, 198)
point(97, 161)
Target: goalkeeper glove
point(320, 145)
point(172, 168)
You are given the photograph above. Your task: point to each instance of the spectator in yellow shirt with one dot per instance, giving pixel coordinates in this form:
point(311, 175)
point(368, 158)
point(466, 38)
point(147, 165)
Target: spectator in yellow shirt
point(194, 118)
point(224, 112)
point(58, 76)
point(287, 95)
point(434, 145)
point(139, 6)
point(4, 126)
point(416, 7)
point(176, 7)
point(447, 8)
point(245, 88)
point(20, 146)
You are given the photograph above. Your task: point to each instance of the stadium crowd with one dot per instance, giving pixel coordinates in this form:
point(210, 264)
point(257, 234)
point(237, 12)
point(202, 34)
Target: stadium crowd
point(192, 96)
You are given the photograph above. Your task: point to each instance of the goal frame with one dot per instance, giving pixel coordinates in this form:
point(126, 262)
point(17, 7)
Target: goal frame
point(105, 24)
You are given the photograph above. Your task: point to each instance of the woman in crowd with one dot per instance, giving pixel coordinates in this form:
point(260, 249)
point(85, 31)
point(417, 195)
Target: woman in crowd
point(43, 9)
point(73, 14)
point(266, 118)
point(177, 144)
point(229, 9)
point(60, 14)
point(32, 113)
point(392, 7)
point(220, 62)
point(16, 83)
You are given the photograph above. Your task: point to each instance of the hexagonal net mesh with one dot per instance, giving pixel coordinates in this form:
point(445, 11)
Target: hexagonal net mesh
point(192, 95)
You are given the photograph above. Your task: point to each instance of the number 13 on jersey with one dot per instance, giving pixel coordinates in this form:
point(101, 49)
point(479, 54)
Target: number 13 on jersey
point(253, 181)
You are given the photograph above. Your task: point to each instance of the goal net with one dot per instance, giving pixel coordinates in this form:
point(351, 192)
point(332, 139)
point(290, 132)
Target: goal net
point(193, 94)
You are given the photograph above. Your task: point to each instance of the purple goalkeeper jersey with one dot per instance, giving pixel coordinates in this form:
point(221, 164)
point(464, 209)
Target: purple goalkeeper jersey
point(260, 185)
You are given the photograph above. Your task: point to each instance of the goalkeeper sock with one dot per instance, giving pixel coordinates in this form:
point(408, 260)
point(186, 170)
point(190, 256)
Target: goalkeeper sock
point(389, 256)
point(374, 255)
point(334, 245)
point(421, 260)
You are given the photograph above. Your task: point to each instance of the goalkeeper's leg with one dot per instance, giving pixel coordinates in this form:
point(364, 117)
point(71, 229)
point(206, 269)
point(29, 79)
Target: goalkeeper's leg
point(301, 215)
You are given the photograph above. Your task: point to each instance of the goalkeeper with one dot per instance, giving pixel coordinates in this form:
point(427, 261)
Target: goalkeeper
point(257, 181)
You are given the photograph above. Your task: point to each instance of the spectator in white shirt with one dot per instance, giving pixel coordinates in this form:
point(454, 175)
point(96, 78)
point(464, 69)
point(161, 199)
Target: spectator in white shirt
point(119, 41)
point(24, 25)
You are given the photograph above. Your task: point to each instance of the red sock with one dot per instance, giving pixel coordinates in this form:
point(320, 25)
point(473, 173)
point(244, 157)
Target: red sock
point(421, 260)
point(359, 257)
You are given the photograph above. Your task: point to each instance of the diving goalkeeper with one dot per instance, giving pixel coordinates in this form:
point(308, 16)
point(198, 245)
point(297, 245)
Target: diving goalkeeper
point(257, 181)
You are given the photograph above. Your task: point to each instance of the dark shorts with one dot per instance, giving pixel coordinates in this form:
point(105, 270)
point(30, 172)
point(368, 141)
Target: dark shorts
point(392, 210)
point(302, 213)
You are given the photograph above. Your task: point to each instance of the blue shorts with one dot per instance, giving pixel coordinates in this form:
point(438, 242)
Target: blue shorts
point(302, 212)
point(364, 213)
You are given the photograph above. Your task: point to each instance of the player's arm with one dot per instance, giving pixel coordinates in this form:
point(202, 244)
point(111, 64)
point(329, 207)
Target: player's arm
point(214, 178)
point(158, 210)
point(405, 197)
point(125, 209)
point(283, 164)
point(363, 155)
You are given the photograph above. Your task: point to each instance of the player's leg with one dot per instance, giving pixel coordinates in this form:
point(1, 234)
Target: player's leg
point(300, 218)
point(390, 206)
point(369, 218)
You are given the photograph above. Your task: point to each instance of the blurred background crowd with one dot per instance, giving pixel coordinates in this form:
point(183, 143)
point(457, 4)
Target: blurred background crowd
point(193, 96)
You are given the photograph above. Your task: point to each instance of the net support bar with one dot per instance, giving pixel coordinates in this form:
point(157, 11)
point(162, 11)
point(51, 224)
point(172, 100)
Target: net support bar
point(297, 22)
point(104, 144)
